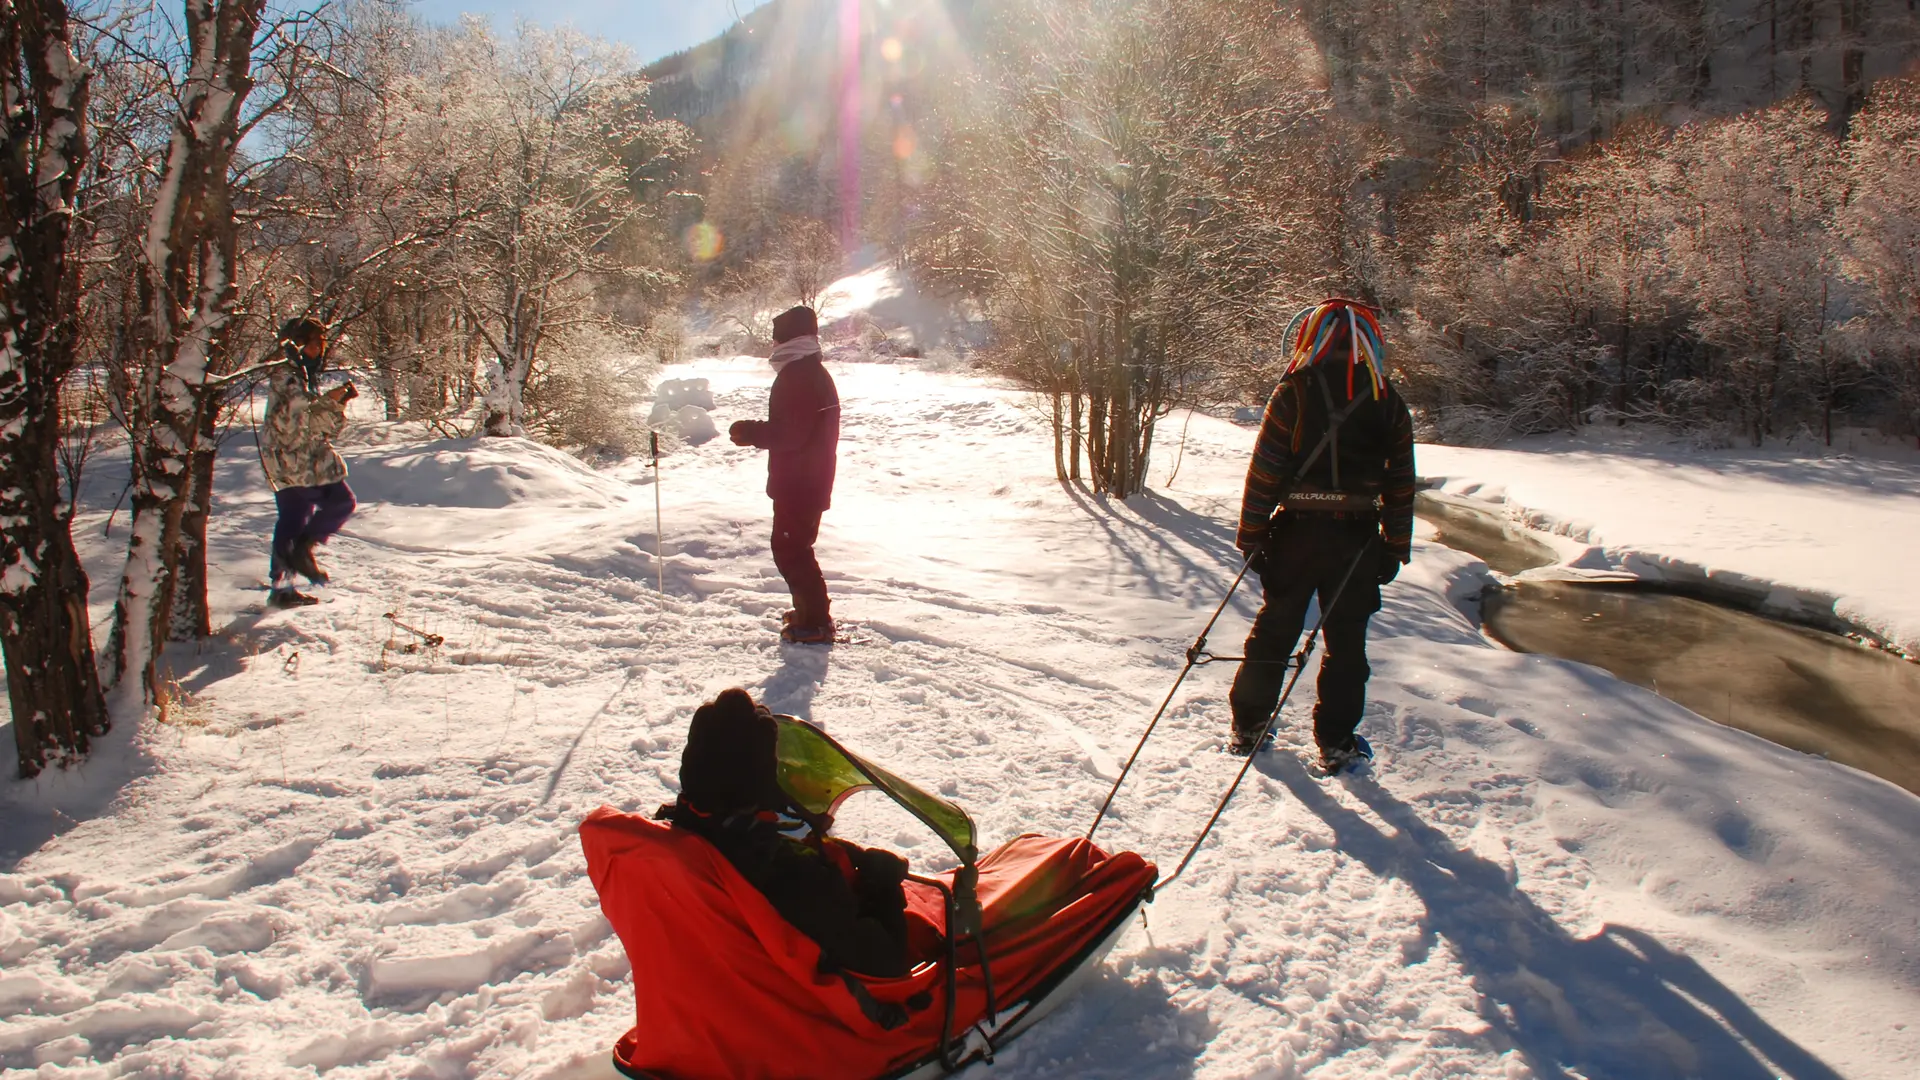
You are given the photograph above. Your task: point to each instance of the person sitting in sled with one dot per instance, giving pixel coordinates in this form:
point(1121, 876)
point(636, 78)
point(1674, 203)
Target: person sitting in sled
point(845, 897)
point(1328, 510)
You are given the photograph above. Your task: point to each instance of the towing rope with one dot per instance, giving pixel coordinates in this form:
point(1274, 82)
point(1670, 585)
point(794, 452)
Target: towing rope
point(1300, 668)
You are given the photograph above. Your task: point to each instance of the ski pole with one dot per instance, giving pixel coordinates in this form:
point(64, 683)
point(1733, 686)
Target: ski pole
point(659, 560)
point(1194, 654)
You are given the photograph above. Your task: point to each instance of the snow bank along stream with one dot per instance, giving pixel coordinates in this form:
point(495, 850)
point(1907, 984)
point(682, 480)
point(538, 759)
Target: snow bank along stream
point(1806, 689)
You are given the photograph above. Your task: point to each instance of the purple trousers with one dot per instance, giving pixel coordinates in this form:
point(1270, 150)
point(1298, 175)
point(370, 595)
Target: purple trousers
point(307, 513)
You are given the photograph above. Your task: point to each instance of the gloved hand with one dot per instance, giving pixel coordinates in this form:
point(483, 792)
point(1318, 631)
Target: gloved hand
point(879, 867)
point(1253, 545)
point(1256, 559)
point(741, 432)
point(1391, 560)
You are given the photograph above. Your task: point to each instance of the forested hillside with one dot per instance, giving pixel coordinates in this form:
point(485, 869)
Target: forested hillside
point(1689, 212)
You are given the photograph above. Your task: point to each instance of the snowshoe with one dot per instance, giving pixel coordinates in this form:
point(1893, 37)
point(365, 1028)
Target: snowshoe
point(290, 598)
point(808, 635)
point(1345, 759)
point(1249, 743)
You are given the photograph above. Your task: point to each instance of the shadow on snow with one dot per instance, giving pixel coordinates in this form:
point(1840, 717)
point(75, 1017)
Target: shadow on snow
point(1619, 1004)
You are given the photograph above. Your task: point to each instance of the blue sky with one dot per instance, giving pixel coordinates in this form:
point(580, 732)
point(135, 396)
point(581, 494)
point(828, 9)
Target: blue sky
point(651, 28)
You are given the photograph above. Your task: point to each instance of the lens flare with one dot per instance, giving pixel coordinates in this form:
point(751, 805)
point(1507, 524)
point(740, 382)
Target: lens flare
point(891, 50)
point(904, 143)
point(704, 243)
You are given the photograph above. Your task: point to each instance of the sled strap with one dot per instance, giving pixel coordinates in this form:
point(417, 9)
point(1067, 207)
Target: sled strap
point(1334, 419)
point(1305, 654)
point(885, 1014)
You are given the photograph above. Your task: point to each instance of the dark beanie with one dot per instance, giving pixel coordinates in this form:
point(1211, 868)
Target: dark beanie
point(729, 763)
point(301, 331)
point(795, 322)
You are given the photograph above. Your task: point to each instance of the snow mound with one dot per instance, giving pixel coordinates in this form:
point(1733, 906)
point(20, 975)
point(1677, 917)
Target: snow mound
point(679, 393)
point(484, 474)
point(680, 406)
point(693, 424)
point(861, 293)
point(1797, 535)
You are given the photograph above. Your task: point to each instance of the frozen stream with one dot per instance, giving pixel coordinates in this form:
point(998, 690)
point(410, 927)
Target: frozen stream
point(1813, 691)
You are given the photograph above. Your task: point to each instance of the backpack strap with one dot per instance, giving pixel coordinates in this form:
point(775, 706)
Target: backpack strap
point(1334, 420)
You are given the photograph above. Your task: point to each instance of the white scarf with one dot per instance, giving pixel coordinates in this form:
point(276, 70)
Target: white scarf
point(793, 349)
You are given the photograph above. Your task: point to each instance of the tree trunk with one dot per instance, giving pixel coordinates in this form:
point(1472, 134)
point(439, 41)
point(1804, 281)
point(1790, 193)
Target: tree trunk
point(191, 619)
point(1059, 435)
point(188, 292)
point(53, 688)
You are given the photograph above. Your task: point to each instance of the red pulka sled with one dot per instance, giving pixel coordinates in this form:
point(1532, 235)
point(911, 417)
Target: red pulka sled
point(727, 989)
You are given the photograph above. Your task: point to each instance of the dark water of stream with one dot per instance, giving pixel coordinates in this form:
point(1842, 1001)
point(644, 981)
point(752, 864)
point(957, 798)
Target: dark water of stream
point(1485, 534)
point(1806, 689)
point(1813, 691)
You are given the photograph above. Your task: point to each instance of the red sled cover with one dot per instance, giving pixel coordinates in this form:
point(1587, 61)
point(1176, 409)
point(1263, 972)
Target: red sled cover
point(726, 989)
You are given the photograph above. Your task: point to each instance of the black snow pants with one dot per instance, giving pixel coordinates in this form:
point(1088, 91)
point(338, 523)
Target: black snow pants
point(1307, 555)
point(796, 527)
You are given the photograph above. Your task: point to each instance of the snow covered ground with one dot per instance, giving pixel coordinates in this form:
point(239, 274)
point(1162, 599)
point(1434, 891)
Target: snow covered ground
point(351, 853)
point(1803, 535)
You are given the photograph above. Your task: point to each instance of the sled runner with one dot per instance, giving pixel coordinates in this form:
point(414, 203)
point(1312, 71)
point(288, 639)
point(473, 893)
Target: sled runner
point(727, 989)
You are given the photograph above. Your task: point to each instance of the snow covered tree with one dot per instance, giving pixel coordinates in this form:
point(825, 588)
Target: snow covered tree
point(189, 275)
point(1147, 198)
point(1756, 251)
point(550, 154)
point(1880, 231)
point(52, 686)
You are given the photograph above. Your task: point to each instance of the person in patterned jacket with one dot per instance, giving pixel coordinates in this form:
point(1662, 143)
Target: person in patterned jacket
point(1327, 512)
point(308, 478)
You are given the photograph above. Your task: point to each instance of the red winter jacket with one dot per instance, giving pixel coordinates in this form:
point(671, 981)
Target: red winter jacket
point(801, 434)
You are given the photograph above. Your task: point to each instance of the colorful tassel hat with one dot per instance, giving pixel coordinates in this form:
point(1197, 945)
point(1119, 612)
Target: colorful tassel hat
point(1316, 333)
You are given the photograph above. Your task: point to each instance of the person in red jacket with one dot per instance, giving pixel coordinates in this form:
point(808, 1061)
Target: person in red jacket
point(801, 435)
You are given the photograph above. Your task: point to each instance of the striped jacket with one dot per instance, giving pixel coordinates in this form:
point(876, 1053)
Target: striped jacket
point(1374, 456)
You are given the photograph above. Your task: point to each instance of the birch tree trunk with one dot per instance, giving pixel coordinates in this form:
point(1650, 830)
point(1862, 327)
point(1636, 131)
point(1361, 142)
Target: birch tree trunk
point(52, 685)
point(187, 294)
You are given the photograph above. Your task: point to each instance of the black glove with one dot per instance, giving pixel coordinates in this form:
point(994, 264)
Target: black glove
point(1254, 547)
point(741, 432)
point(1391, 560)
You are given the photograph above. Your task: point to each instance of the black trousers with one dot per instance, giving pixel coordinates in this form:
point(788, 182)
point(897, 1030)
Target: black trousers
point(795, 529)
point(1307, 557)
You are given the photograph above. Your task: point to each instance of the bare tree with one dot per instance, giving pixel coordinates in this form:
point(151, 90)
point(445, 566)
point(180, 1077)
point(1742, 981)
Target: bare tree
point(805, 259)
point(52, 686)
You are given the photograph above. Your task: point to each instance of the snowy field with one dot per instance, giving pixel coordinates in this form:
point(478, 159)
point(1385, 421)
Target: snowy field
point(352, 854)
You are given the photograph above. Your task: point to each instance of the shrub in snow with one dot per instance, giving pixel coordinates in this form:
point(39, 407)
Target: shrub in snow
point(587, 392)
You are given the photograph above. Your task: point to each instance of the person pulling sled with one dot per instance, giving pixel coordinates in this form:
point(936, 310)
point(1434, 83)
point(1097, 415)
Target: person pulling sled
point(1327, 512)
